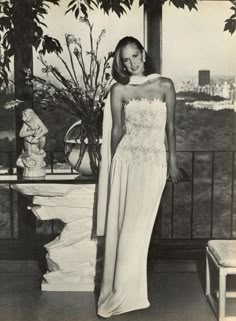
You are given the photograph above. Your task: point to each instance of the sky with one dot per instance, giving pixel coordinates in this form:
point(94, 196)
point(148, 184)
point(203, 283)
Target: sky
point(190, 40)
point(58, 24)
point(195, 40)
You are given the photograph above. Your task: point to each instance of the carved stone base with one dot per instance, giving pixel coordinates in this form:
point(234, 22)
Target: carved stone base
point(72, 256)
point(66, 287)
point(33, 165)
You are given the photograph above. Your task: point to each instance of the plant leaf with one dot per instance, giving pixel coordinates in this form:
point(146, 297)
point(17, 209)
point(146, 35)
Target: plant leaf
point(76, 13)
point(84, 9)
point(70, 3)
point(230, 25)
point(71, 9)
point(50, 45)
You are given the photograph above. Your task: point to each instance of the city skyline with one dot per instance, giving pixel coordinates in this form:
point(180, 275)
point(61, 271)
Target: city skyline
point(195, 40)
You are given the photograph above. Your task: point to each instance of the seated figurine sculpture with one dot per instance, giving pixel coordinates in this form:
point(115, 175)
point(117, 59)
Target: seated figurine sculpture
point(34, 133)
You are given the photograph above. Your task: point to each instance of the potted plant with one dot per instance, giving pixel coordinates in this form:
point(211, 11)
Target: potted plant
point(80, 90)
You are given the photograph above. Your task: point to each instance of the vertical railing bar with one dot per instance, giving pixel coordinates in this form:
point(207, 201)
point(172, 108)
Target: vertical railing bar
point(172, 209)
point(212, 192)
point(232, 196)
point(192, 192)
point(51, 161)
point(52, 227)
point(11, 202)
point(10, 163)
point(160, 219)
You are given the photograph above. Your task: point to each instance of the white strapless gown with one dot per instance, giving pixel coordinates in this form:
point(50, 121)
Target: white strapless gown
point(137, 179)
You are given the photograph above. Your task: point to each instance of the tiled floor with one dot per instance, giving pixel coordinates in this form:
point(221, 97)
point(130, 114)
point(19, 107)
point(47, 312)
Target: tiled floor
point(173, 297)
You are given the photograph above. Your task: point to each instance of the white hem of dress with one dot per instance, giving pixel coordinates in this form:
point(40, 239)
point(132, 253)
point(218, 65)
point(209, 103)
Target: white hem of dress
point(125, 311)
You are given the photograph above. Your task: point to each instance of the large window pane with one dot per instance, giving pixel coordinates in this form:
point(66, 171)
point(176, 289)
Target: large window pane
point(59, 24)
point(199, 56)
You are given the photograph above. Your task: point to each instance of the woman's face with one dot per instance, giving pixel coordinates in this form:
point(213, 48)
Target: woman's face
point(132, 59)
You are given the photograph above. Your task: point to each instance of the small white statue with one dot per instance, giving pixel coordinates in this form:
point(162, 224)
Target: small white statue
point(34, 133)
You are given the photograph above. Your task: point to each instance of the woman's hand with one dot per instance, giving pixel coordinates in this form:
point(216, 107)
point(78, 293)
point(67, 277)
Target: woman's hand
point(175, 174)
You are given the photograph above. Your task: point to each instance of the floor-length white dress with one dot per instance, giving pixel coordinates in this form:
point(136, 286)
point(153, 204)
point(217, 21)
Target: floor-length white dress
point(137, 179)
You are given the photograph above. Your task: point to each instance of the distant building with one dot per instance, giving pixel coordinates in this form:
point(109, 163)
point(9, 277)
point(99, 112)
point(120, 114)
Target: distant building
point(203, 77)
point(226, 90)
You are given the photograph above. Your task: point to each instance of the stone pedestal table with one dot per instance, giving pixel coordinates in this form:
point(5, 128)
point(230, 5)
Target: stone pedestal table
point(71, 256)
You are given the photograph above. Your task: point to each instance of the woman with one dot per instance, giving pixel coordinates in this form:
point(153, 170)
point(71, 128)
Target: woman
point(142, 108)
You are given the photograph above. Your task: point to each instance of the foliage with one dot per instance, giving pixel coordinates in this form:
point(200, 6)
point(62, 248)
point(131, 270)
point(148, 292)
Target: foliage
point(22, 15)
point(80, 93)
point(83, 100)
point(18, 13)
point(28, 15)
point(204, 129)
point(120, 6)
point(230, 23)
point(196, 129)
point(193, 96)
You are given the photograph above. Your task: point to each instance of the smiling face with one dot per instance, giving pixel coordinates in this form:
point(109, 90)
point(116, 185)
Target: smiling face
point(132, 59)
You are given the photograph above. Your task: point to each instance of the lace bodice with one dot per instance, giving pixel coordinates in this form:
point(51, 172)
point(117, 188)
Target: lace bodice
point(143, 141)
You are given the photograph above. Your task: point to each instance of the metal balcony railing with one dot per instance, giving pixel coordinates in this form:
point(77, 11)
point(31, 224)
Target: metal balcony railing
point(210, 189)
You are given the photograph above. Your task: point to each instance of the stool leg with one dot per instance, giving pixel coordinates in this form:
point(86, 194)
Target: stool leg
point(208, 281)
point(222, 294)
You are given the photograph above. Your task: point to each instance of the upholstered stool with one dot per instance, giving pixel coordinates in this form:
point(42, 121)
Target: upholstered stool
point(222, 255)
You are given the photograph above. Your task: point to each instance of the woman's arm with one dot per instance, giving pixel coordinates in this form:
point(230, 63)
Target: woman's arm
point(170, 99)
point(116, 111)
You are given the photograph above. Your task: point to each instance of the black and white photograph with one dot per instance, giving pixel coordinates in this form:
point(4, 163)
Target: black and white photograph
point(117, 160)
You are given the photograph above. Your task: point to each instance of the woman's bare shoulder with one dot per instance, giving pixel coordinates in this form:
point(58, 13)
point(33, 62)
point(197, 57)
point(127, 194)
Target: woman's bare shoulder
point(117, 88)
point(166, 82)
